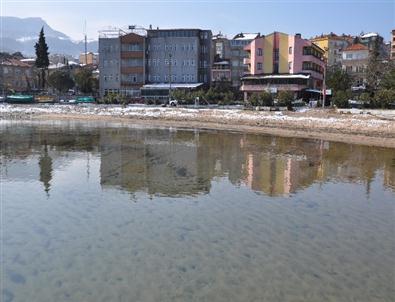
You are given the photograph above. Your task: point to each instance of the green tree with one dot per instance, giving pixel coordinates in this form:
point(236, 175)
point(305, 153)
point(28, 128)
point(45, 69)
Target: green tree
point(42, 61)
point(341, 97)
point(375, 68)
point(384, 97)
point(228, 98)
point(265, 98)
point(285, 98)
point(84, 80)
point(254, 99)
point(365, 97)
point(388, 80)
point(337, 79)
point(60, 80)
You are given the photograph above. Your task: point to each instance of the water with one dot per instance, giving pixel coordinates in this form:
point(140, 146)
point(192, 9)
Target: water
point(108, 212)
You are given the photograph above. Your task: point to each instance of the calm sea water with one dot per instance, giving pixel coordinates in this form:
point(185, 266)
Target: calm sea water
point(108, 212)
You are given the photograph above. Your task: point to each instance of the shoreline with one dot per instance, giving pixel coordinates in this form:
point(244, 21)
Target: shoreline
point(314, 124)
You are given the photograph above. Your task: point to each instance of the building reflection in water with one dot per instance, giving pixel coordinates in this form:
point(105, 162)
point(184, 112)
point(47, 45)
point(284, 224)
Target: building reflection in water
point(180, 162)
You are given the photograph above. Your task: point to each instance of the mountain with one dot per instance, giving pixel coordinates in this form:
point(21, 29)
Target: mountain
point(20, 34)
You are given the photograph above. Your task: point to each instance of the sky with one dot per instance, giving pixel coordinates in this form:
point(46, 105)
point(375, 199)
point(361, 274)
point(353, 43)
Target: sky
point(308, 17)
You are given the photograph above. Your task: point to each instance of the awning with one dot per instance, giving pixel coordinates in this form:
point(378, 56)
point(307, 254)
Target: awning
point(278, 76)
point(173, 86)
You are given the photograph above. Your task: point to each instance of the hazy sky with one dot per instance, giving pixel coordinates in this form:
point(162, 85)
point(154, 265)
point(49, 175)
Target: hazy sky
point(309, 17)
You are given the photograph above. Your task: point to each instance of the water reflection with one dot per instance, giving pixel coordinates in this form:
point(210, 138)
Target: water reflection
point(255, 218)
point(184, 162)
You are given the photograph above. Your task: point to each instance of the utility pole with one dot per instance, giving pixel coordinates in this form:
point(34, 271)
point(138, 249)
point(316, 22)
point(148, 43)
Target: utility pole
point(324, 86)
point(86, 45)
point(169, 77)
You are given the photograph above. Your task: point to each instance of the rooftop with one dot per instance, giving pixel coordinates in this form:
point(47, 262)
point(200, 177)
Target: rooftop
point(246, 36)
point(14, 62)
point(369, 35)
point(357, 46)
point(332, 36)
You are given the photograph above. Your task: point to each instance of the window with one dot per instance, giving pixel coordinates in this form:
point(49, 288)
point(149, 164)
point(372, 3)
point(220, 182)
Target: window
point(348, 56)
point(260, 52)
point(290, 65)
point(276, 54)
point(259, 66)
point(290, 50)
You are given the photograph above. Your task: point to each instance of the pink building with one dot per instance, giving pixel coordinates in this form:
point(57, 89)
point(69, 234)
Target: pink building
point(284, 62)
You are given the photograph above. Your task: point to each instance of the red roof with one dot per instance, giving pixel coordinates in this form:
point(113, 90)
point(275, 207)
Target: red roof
point(357, 46)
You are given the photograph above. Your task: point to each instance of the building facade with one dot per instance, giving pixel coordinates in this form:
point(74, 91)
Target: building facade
point(371, 40)
point(16, 76)
point(183, 53)
point(238, 54)
point(279, 61)
point(229, 55)
point(132, 63)
point(89, 58)
point(355, 61)
point(221, 72)
point(333, 46)
point(128, 61)
point(121, 63)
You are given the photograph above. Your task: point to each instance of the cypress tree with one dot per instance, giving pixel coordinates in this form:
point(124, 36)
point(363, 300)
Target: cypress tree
point(374, 70)
point(42, 60)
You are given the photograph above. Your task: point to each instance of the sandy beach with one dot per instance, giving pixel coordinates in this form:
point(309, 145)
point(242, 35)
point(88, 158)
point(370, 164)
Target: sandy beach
point(367, 127)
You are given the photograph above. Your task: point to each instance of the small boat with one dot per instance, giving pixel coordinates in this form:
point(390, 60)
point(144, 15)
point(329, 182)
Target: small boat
point(85, 99)
point(44, 99)
point(20, 99)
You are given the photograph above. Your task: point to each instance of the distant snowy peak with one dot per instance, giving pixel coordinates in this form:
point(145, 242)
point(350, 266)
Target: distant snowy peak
point(20, 34)
point(24, 39)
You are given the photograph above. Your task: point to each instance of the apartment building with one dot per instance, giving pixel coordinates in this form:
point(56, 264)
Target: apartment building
point(89, 58)
point(221, 53)
point(355, 61)
point(149, 65)
point(17, 76)
point(279, 61)
point(229, 55)
point(238, 54)
point(333, 46)
point(121, 63)
point(186, 51)
point(371, 40)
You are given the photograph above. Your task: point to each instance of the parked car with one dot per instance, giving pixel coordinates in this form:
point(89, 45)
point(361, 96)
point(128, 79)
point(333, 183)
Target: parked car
point(171, 103)
point(356, 104)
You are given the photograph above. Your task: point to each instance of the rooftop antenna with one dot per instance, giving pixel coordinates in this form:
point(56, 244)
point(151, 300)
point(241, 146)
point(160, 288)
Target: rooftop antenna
point(86, 44)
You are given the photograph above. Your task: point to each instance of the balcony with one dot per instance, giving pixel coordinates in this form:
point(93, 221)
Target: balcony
point(132, 54)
